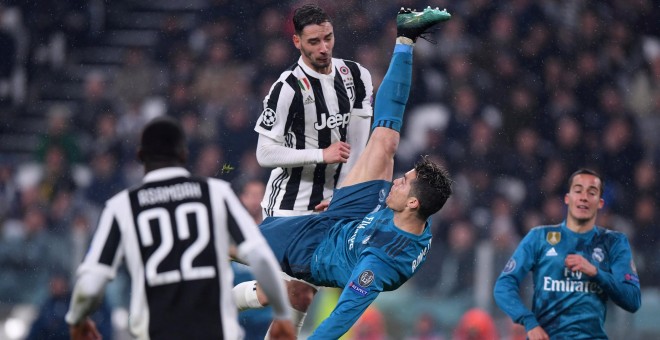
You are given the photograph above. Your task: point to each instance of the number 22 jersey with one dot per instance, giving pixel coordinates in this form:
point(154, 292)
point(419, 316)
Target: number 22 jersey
point(173, 232)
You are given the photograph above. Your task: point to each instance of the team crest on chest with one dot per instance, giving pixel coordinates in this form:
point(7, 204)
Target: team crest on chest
point(553, 237)
point(598, 255)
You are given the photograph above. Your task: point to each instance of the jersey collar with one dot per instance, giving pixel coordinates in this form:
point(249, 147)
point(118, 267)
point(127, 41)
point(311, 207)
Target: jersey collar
point(584, 235)
point(315, 74)
point(165, 173)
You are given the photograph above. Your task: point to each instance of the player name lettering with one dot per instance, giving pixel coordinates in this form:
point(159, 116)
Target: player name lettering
point(416, 262)
point(569, 286)
point(333, 121)
point(362, 225)
point(176, 192)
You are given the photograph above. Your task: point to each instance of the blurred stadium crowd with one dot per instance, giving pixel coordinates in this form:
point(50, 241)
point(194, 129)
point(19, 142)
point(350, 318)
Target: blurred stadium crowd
point(515, 96)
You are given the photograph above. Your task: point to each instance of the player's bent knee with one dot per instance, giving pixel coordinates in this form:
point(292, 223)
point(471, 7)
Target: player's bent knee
point(300, 295)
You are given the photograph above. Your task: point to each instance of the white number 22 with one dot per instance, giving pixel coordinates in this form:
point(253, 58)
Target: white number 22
point(162, 216)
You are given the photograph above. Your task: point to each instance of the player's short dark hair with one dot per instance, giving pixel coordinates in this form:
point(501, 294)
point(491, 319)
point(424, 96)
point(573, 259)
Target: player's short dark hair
point(432, 187)
point(587, 172)
point(163, 140)
point(309, 14)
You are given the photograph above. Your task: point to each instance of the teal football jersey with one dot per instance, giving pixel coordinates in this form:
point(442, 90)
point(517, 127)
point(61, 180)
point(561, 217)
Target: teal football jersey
point(365, 257)
point(566, 304)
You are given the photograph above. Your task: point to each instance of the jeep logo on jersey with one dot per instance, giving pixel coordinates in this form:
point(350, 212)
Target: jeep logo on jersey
point(366, 278)
point(268, 118)
point(333, 121)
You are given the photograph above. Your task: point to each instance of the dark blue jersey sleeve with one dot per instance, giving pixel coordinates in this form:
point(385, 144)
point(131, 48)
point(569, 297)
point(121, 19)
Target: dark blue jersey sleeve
point(507, 286)
point(621, 283)
point(369, 277)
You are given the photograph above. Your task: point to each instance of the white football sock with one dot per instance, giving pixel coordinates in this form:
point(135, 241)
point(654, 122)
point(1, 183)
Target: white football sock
point(245, 295)
point(297, 318)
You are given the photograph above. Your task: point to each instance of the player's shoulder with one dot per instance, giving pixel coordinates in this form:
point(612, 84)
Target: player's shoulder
point(216, 182)
point(290, 74)
point(542, 229)
point(611, 234)
point(346, 65)
point(121, 196)
point(544, 232)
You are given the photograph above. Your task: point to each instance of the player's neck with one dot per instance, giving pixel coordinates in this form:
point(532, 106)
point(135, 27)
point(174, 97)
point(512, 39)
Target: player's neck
point(409, 223)
point(151, 166)
point(580, 227)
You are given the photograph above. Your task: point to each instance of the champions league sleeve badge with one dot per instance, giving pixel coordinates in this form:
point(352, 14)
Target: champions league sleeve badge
point(268, 118)
point(632, 277)
point(510, 266)
point(365, 279)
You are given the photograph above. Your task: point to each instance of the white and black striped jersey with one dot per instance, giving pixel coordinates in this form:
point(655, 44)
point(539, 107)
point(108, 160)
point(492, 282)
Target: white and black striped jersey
point(309, 110)
point(174, 232)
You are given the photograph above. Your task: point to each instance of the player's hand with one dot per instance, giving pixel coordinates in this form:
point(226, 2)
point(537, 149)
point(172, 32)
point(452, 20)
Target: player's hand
point(577, 263)
point(282, 330)
point(323, 206)
point(337, 152)
point(85, 330)
point(537, 333)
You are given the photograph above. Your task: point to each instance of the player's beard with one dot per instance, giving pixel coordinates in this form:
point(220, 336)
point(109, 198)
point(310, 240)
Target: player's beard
point(316, 65)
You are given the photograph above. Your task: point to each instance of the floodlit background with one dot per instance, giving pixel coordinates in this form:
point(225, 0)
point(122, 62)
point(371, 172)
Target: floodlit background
point(515, 96)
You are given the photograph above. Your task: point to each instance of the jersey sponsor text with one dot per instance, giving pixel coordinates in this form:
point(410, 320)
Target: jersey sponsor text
point(568, 286)
point(362, 225)
point(333, 121)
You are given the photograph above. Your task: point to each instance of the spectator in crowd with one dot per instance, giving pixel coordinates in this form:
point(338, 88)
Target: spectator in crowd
point(214, 83)
point(106, 180)
point(476, 324)
point(647, 234)
point(55, 174)
point(59, 133)
point(96, 100)
point(426, 328)
point(137, 79)
point(235, 130)
point(211, 163)
point(8, 62)
point(8, 189)
point(26, 258)
point(370, 326)
point(50, 323)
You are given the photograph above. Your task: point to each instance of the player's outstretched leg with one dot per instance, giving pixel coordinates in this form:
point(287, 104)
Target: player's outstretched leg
point(393, 93)
point(377, 160)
